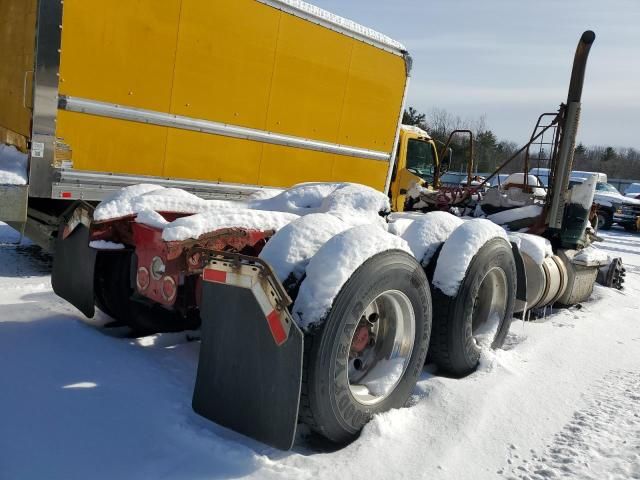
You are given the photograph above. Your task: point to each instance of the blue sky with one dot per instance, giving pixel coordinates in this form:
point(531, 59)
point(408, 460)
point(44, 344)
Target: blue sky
point(511, 59)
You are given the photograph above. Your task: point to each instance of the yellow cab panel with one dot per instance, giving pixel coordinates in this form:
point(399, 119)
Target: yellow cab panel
point(416, 163)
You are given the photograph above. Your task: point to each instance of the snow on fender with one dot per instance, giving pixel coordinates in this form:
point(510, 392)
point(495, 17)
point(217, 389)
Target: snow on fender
point(458, 251)
point(334, 264)
point(474, 292)
point(289, 251)
point(427, 233)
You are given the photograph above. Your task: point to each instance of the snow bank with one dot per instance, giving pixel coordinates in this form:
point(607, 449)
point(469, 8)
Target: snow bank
point(289, 251)
point(334, 264)
point(591, 256)
point(458, 251)
point(426, 234)
point(515, 214)
point(197, 225)
point(13, 166)
point(535, 246)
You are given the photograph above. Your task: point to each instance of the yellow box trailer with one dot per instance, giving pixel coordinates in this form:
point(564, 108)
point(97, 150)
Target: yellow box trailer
point(218, 98)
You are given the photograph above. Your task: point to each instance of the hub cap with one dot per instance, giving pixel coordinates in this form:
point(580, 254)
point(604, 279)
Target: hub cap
point(490, 307)
point(381, 347)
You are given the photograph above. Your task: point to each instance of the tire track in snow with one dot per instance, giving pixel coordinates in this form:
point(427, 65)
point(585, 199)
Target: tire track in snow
point(601, 441)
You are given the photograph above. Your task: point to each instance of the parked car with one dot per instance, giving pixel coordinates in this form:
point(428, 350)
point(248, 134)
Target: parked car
point(633, 191)
point(613, 207)
point(542, 174)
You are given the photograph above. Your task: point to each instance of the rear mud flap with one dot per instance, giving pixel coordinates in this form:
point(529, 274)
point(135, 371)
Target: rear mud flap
point(246, 382)
point(73, 269)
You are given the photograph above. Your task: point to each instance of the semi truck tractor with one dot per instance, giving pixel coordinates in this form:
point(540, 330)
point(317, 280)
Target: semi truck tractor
point(241, 166)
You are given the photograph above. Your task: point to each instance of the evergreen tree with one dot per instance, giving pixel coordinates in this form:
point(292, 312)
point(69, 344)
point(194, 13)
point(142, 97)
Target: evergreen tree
point(414, 117)
point(609, 154)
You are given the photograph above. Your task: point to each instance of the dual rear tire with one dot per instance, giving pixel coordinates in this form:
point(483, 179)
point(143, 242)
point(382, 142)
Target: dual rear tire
point(479, 315)
point(345, 384)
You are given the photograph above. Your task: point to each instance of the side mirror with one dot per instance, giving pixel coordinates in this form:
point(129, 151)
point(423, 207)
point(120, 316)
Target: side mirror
point(445, 162)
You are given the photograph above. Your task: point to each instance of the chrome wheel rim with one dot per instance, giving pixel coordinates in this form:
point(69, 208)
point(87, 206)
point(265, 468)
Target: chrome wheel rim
point(381, 347)
point(489, 307)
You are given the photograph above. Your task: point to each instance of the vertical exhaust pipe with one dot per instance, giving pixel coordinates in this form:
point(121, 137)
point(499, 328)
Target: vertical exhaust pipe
point(566, 151)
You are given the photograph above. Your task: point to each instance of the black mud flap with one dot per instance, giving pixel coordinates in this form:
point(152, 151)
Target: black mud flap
point(246, 382)
point(73, 269)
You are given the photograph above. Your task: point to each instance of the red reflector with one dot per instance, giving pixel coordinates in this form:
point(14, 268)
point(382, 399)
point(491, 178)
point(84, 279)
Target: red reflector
point(65, 194)
point(279, 335)
point(215, 276)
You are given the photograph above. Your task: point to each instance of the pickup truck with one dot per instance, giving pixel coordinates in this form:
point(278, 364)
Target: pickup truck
point(613, 207)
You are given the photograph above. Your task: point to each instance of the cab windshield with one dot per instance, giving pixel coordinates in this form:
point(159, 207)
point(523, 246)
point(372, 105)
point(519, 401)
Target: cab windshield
point(634, 188)
point(421, 159)
point(606, 187)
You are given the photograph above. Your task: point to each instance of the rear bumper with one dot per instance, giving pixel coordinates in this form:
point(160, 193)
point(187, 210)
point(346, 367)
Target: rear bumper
point(13, 203)
point(626, 214)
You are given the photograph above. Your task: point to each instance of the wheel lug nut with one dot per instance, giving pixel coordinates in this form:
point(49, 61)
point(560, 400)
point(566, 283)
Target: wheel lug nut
point(357, 364)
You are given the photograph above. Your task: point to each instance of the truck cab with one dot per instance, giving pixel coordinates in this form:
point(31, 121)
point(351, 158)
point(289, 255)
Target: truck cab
point(417, 162)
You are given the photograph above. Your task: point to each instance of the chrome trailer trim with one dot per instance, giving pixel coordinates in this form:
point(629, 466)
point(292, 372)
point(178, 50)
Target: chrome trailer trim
point(336, 23)
point(45, 97)
point(139, 115)
point(95, 186)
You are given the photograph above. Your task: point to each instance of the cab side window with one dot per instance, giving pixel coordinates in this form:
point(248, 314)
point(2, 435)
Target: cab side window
point(420, 158)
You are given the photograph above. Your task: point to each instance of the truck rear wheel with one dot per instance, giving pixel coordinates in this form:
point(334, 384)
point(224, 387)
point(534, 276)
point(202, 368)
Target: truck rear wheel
point(112, 284)
point(367, 355)
point(479, 315)
point(113, 295)
point(605, 220)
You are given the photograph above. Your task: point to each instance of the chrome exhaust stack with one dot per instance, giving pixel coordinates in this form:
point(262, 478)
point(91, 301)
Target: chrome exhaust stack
point(561, 171)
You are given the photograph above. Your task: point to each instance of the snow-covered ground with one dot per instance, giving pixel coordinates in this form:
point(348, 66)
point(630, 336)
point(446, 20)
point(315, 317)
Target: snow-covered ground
point(81, 402)
point(13, 166)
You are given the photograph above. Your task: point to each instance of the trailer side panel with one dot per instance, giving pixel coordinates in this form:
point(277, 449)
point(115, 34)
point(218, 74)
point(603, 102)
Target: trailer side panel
point(309, 103)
